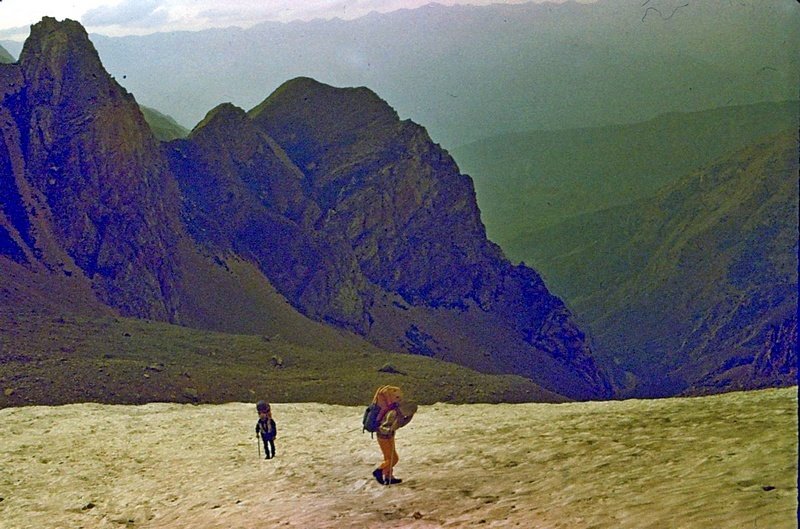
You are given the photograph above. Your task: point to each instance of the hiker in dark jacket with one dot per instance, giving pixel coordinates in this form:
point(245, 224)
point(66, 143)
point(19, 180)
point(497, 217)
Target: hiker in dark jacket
point(265, 427)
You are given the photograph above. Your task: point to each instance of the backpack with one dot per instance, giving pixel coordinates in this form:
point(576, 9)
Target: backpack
point(370, 421)
point(374, 412)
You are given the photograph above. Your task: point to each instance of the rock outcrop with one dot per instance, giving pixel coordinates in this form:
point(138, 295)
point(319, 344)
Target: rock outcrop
point(366, 223)
point(355, 217)
point(86, 184)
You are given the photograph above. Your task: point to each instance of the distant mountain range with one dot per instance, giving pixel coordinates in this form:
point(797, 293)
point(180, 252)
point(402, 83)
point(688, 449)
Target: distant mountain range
point(468, 72)
point(598, 212)
point(528, 182)
point(695, 289)
point(320, 197)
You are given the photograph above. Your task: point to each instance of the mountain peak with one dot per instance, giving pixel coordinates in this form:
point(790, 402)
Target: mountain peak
point(51, 37)
point(107, 199)
point(301, 83)
point(349, 108)
point(59, 61)
point(324, 126)
point(224, 114)
point(50, 24)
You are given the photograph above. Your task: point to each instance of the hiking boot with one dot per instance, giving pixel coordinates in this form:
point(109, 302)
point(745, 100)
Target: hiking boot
point(378, 475)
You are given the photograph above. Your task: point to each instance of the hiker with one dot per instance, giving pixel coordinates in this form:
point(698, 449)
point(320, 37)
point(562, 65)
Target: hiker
point(265, 427)
point(394, 413)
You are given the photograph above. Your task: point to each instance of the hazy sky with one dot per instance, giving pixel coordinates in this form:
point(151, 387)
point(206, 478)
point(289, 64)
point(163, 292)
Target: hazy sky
point(126, 17)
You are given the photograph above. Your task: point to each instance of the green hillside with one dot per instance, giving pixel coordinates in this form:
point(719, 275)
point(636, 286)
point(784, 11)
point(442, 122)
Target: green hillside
point(116, 360)
point(527, 182)
point(164, 127)
point(701, 276)
point(5, 57)
point(56, 353)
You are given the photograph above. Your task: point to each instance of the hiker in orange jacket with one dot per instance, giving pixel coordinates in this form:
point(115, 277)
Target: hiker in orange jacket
point(395, 413)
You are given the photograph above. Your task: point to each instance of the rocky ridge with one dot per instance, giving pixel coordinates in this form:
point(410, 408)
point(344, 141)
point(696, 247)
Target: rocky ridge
point(354, 216)
point(384, 236)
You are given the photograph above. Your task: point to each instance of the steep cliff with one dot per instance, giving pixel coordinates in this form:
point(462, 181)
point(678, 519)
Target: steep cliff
point(87, 202)
point(360, 220)
point(85, 184)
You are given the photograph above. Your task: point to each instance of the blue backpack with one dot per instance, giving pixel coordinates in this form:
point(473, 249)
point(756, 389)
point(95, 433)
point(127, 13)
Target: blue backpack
point(370, 421)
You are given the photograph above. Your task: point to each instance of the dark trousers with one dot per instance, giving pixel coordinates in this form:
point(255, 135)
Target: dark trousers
point(269, 447)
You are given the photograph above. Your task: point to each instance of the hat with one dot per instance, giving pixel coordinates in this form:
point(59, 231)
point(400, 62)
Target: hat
point(407, 408)
point(262, 406)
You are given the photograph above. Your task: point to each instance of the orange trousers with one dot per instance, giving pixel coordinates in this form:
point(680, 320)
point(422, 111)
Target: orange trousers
point(390, 457)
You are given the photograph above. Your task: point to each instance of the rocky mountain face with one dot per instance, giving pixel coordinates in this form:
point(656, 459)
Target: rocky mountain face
point(84, 184)
point(90, 208)
point(356, 218)
point(361, 221)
